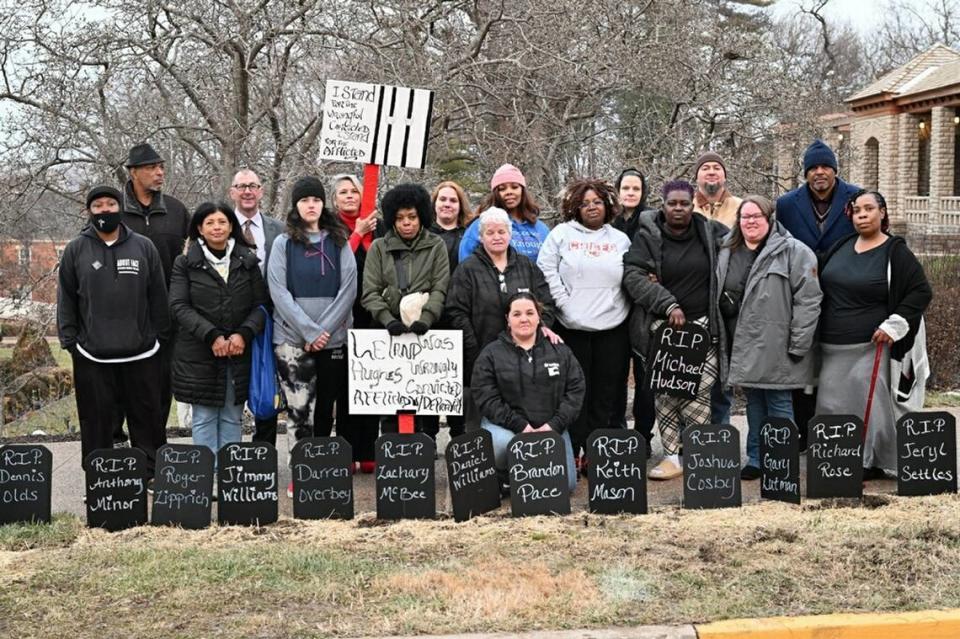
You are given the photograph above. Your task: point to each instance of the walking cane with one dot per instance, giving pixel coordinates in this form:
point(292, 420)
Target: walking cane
point(873, 386)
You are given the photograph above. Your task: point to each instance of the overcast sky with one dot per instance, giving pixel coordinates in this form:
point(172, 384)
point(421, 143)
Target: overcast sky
point(863, 14)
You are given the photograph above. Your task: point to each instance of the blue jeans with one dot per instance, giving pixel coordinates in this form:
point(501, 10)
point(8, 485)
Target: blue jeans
point(217, 426)
point(501, 439)
point(720, 403)
point(763, 403)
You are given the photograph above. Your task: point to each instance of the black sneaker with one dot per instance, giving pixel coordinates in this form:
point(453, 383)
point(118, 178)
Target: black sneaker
point(873, 474)
point(749, 473)
point(150, 486)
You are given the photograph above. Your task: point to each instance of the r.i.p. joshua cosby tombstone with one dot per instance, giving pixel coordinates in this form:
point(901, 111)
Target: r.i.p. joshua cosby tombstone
point(711, 466)
point(116, 488)
point(26, 471)
point(679, 355)
point(538, 475)
point(183, 486)
point(779, 460)
point(617, 472)
point(322, 482)
point(835, 456)
point(247, 484)
point(926, 454)
point(405, 480)
point(474, 488)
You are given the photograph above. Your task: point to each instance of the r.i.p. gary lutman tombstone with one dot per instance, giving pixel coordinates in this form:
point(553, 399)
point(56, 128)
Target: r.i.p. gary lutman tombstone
point(183, 486)
point(474, 488)
point(322, 483)
point(538, 475)
point(679, 355)
point(617, 472)
point(116, 488)
point(711, 466)
point(405, 479)
point(779, 460)
point(247, 482)
point(26, 471)
point(835, 456)
point(926, 454)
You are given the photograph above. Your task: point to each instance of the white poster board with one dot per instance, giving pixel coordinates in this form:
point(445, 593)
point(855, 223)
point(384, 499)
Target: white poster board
point(422, 373)
point(375, 124)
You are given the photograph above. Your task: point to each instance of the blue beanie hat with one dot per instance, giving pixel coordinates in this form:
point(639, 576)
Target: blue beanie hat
point(818, 154)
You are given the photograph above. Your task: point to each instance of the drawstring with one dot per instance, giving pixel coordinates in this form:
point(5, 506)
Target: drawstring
point(323, 256)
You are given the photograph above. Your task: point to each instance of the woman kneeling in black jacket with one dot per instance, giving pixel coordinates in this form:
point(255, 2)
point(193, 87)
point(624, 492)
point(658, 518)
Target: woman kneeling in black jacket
point(215, 292)
point(522, 383)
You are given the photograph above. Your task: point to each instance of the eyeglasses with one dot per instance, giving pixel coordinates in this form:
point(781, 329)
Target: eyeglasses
point(587, 205)
point(246, 187)
point(749, 218)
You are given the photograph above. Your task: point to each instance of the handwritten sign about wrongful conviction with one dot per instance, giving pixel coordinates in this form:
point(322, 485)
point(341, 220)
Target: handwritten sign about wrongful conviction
point(405, 479)
point(247, 483)
point(617, 472)
point(322, 481)
point(779, 460)
point(926, 454)
point(26, 473)
point(678, 359)
point(183, 486)
point(420, 373)
point(835, 456)
point(474, 487)
point(537, 467)
point(116, 488)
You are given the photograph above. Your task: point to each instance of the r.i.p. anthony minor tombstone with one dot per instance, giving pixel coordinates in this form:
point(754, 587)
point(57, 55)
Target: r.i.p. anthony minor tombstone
point(247, 483)
point(322, 482)
point(116, 481)
point(835, 456)
point(183, 486)
point(711, 466)
point(405, 479)
point(926, 454)
point(474, 488)
point(26, 471)
point(617, 472)
point(537, 468)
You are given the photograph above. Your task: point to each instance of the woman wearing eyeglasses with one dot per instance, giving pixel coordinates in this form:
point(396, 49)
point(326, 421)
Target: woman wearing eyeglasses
point(582, 261)
point(480, 287)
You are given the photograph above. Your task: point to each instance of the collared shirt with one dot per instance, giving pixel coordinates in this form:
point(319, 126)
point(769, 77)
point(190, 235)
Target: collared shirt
point(256, 228)
point(723, 210)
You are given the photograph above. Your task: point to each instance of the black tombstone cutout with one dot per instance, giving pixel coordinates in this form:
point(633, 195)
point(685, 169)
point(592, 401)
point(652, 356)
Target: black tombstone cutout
point(780, 460)
point(835, 456)
point(247, 484)
point(474, 488)
point(926, 454)
point(711, 466)
point(322, 481)
point(116, 488)
point(405, 479)
point(617, 472)
point(537, 465)
point(679, 355)
point(183, 486)
point(26, 471)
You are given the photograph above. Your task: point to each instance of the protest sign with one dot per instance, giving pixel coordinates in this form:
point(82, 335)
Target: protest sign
point(711, 466)
point(537, 467)
point(247, 484)
point(617, 471)
point(474, 487)
point(116, 488)
point(926, 454)
point(677, 361)
point(26, 473)
point(322, 481)
point(183, 486)
point(835, 456)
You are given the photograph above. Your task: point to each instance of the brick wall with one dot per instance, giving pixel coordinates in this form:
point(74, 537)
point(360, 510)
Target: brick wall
point(29, 268)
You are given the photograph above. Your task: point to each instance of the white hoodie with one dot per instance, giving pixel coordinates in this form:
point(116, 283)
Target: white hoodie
point(584, 269)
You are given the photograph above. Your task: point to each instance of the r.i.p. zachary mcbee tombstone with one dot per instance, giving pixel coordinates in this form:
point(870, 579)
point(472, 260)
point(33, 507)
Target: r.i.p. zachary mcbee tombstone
point(474, 488)
point(679, 355)
point(116, 481)
point(617, 472)
point(183, 486)
point(926, 454)
point(405, 479)
point(779, 460)
point(711, 466)
point(322, 482)
point(26, 472)
point(538, 475)
point(247, 483)
point(835, 456)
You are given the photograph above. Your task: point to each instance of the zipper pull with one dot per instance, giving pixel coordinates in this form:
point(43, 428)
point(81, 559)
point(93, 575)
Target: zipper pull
point(148, 219)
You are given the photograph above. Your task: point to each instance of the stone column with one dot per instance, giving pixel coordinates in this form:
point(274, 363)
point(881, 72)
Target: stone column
point(907, 133)
point(941, 159)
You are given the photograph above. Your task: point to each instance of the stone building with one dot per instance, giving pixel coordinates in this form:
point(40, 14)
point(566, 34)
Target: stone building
point(901, 136)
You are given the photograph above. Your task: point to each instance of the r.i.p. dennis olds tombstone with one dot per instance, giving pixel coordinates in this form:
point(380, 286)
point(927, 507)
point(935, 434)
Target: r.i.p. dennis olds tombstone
point(322, 482)
point(474, 488)
point(779, 460)
point(711, 466)
point(617, 472)
point(405, 479)
point(926, 454)
point(183, 486)
point(679, 355)
point(116, 488)
point(247, 482)
point(835, 456)
point(25, 482)
point(537, 468)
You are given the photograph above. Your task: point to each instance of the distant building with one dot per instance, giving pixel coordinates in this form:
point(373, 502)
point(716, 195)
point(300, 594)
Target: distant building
point(28, 269)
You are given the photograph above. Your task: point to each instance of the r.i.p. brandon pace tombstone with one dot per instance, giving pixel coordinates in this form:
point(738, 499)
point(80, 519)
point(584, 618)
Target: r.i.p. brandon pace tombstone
point(537, 468)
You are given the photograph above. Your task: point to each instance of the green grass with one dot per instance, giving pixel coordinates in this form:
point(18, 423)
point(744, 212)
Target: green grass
point(938, 399)
point(59, 533)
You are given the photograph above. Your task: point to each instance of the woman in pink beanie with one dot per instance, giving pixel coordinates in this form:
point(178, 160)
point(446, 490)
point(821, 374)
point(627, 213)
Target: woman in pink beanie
point(508, 191)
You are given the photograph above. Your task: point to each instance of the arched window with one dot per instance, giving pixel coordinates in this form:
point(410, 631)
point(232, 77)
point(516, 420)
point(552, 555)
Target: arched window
point(871, 164)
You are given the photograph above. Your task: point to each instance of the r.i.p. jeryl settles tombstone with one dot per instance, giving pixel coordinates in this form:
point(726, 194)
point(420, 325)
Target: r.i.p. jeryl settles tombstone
point(926, 454)
point(116, 488)
point(183, 486)
point(247, 484)
point(779, 460)
point(322, 481)
point(711, 466)
point(405, 479)
point(835, 456)
point(537, 468)
point(617, 472)
point(474, 488)
point(26, 471)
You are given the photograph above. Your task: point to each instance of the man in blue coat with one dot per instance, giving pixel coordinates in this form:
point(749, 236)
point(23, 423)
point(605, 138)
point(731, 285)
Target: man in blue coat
point(813, 212)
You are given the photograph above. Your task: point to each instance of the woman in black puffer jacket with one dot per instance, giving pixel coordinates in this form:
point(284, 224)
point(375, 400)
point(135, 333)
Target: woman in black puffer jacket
point(215, 292)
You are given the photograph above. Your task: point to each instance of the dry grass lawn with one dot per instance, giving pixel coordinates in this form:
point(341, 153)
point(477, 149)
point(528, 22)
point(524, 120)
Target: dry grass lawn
point(312, 579)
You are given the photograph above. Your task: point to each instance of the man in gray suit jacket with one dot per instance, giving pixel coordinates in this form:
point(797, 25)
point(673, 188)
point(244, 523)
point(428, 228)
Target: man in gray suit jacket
point(259, 230)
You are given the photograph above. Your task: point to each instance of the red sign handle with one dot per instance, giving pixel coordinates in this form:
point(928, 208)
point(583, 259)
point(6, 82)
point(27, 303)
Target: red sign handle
point(371, 178)
point(405, 423)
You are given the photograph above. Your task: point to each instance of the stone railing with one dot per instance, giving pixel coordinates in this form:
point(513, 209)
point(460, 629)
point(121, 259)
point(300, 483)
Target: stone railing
point(915, 209)
point(950, 211)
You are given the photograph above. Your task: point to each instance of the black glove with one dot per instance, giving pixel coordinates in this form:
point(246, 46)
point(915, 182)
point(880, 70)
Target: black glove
point(396, 327)
point(419, 328)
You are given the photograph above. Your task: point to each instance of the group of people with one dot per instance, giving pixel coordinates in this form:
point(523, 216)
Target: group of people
point(796, 297)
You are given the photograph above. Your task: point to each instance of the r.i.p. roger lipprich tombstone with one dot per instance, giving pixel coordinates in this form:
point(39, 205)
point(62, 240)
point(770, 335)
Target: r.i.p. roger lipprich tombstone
point(116, 488)
point(711, 466)
point(247, 483)
point(779, 460)
point(537, 468)
point(617, 471)
point(405, 480)
point(474, 488)
point(322, 482)
point(679, 356)
point(26, 472)
point(926, 454)
point(835, 456)
point(183, 486)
